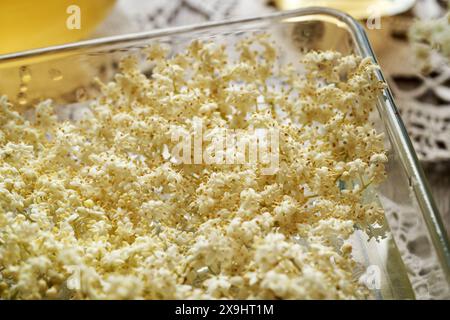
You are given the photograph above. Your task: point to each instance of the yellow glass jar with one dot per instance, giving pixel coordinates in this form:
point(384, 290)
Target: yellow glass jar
point(27, 24)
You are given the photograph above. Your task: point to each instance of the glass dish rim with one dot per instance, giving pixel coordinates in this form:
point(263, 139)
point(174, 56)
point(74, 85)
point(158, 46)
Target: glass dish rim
point(393, 122)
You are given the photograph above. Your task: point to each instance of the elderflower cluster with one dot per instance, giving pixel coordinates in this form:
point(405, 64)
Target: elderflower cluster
point(429, 37)
point(92, 209)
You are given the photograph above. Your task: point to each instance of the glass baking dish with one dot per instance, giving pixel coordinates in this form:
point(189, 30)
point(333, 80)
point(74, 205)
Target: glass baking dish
point(405, 270)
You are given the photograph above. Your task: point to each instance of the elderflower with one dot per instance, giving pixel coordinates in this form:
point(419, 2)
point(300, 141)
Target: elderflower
point(98, 209)
point(429, 37)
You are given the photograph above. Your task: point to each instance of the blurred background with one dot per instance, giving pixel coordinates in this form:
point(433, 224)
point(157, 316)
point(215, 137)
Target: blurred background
point(411, 39)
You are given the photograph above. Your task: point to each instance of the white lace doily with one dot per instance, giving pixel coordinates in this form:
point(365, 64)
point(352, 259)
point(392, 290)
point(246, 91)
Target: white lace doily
point(141, 15)
point(415, 247)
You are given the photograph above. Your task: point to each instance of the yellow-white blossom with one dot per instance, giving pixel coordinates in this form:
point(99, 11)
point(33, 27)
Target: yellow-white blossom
point(94, 209)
